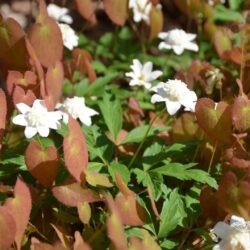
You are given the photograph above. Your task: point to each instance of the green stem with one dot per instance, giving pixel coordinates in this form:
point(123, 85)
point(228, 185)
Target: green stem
point(144, 138)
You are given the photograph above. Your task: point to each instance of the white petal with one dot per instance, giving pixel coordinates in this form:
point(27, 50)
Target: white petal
point(191, 36)
point(237, 219)
point(191, 46)
point(137, 16)
point(172, 107)
point(65, 118)
point(154, 75)
point(137, 67)
point(221, 229)
point(38, 103)
point(43, 131)
point(90, 111)
point(85, 120)
point(178, 50)
point(218, 247)
point(163, 35)
point(20, 120)
point(23, 108)
point(164, 45)
point(147, 68)
point(29, 132)
point(66, 19)
point(157, 98)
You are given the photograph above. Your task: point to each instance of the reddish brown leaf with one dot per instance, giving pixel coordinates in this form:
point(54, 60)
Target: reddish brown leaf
point(236, 156)
point(131, 212)
point(61, 233)
point(86, 10)
point(3, 113)
point(234, 195)
point(79, 243)
point(148, 242)
point(84, 212)
point(43, 163)
point(185, 128)
point(221, 42)
point(241, 113)
point(20, 208)
point(82, 61)
point(97, 179)
point(122, 186)
point(116, 10)
point(75, 150)
point(46, 38)
point(214, 119)
point(37, 245)
point(13, 53)
point(19, 95)
point(115, 226)
point(156, 22)
point(7, 228)
point(72, 194)
point(54, 82)
point(209, 204)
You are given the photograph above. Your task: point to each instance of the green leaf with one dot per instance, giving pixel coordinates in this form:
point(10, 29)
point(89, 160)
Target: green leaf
point(156, 153)
point(223, 14)
point(183, 172)
point(98, 143)
point(121, 169)
point(172, 214)
point(137, 134)
point(112, 114)
point(236, 4)
point(151, 179)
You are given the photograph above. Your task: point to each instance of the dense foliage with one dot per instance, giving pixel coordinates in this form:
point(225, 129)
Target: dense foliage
point(131, 137)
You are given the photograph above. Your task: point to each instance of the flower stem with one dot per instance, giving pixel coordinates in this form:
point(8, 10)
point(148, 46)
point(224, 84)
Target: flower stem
point(144, 138)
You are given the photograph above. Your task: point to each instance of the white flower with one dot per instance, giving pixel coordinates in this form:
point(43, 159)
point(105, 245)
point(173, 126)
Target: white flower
point(142, 75)
point(70, 39)
point(178, 40)
point(235, 235)
point(77, 109)
point(141, 10)
point(211, 2)
point(37, 119)
point(174, 93)
point(59, 14)
point(7, 12)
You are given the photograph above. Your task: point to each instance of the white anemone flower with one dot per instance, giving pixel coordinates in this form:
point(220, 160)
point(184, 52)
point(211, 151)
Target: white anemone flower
point(178, 40)
point(141, 10)
point(77, 109)
point(37, 119)
point(174, 93)
point(59, 14)
point(70, 39)
point(235, 235)
point(142, 75)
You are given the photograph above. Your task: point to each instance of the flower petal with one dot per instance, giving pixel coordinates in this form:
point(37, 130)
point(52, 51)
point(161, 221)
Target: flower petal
point(20, 120)
point(23, 108)
point(29, 132)
point(221, 229)
point(178, 50)
point(191, 46)
point(43, 131)
point(157, 98)
point(164, 45)
point(172, 107)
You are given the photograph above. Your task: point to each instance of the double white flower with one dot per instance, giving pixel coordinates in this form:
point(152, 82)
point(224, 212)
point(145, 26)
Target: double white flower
point(77, 109)
point(142, 74)
point(70, 39)
point(59, 14)
point(37, 119)
point(141, 10)
point(175, 94)
point(178, 40)
point(235, 235)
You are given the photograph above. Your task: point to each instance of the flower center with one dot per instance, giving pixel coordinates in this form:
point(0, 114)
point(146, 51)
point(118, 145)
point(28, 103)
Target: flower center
point(176, 37)
point(142, 77)
point(35, 118)
point(173, 93)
